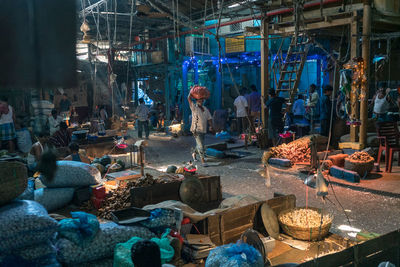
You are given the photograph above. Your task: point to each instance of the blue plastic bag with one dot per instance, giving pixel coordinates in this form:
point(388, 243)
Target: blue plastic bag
point(223, 135)
point(160, 219)
point(81, 229)
point(28, 194)
point(232, 255)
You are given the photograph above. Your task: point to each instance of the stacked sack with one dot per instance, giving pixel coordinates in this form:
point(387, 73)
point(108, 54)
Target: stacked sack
point(69, 176)
point(97, 245)
point(27, 233)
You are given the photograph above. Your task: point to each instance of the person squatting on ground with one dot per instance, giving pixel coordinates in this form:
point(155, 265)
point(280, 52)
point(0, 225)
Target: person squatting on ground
point(200, 117)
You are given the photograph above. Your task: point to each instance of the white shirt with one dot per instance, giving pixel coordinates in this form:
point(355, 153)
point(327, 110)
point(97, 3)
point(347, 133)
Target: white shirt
point(241, 105)
point(142, 111)
point(381, 105)
point(7, 118)
point(54, 124)
point(314, 100)
point(199, 119)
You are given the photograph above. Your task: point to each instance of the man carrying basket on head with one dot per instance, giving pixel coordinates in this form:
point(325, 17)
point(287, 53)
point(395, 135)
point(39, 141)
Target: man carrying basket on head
point(200, 116)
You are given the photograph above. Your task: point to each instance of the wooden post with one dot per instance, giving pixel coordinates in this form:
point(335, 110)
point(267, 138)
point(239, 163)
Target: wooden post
point(366, 45)
point(353, 97)
point(136, 86)
point(264, 70)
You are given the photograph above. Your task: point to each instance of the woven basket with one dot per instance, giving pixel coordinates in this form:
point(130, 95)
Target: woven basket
point(361, 167)
point(305, 233)
point(13, 180)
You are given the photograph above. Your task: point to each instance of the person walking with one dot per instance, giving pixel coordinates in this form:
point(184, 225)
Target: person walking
point(200, 117)
point(242, 110)
point(312, 108)
point(254, 104)
point(326, 111)
point(142, 114)
point(275, 116)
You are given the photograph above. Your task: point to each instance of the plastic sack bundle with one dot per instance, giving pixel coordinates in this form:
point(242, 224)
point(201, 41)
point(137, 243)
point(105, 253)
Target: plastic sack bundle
point(123, 255)
point(160, 219)
point(73, 174)
point(24, 223)
point(81, 229)
point(102, 245)
point(223, 135)
point(35, 254)
point(235, 255)
point(17, 261)
point(54, 198)
point(106, 262)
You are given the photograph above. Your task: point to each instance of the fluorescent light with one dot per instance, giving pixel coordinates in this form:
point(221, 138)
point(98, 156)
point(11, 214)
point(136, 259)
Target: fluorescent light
point(348, 228)
point(234, 5)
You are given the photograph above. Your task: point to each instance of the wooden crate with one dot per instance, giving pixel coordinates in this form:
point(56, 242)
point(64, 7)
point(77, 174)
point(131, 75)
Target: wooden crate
point(142, 196)
point(227, 226)
point(369, 253)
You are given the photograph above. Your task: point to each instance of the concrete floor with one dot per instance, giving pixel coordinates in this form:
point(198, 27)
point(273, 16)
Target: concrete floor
point(370, 210)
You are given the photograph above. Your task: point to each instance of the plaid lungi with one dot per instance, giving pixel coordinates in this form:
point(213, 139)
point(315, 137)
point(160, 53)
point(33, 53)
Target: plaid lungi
point(7, 132)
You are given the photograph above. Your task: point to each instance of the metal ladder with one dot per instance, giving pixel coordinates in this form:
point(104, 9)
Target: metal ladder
point(291, 66)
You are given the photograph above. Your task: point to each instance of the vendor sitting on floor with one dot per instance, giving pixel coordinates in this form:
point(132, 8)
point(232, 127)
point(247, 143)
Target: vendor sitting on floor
point(75, 156)
point(36, 151)
point(61, 138)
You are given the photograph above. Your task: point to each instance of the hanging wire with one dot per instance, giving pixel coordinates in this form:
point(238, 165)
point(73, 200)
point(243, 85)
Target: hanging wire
point(96, 21)
point(115, 21)
point(133, 3)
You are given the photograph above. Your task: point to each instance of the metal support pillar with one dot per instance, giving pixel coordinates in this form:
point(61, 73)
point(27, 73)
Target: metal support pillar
point(264, 70)
point(167, 96)
point(196, 72)
point(353, 98)
point(136, 96)
point(186, 108)
point(366, 46)
point(218, 89)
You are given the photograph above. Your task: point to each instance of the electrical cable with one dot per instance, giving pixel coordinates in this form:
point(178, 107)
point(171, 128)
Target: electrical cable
point(115, 21)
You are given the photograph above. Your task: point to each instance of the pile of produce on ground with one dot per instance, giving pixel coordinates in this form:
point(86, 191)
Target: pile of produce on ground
point(361, 157)
point(304, 218)
point(120, 198)
point(360, 162)
point(116, 200)
point(296, 151)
